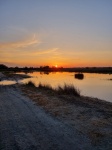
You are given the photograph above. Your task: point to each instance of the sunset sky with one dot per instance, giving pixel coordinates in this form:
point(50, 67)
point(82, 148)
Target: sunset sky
point(68, 33)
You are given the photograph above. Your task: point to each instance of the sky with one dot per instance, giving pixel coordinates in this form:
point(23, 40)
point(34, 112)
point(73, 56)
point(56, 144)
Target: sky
point(66, 33)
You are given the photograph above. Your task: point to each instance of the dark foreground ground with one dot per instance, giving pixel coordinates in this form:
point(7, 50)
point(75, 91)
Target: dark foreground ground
point(38, 119)
point(26, 126)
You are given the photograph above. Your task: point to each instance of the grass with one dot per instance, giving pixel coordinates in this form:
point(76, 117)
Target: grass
point(45, 86)
point(91, 121)
point(30, 84)
point(67, 90)
point(60, 90)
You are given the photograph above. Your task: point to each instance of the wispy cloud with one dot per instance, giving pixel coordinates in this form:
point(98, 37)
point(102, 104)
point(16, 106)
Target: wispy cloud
point(40, 52)
point(20, 44)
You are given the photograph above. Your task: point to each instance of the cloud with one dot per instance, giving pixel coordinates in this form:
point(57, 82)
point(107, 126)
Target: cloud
point(46, 51)
point(20, 44)
point(15, 55)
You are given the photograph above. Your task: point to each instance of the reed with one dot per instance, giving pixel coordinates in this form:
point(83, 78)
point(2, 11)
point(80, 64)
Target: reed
point(61, 90)
point(67, 89)
point(45, 86)
point(30, 84)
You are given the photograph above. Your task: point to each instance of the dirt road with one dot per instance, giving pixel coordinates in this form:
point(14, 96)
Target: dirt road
point(25, 126)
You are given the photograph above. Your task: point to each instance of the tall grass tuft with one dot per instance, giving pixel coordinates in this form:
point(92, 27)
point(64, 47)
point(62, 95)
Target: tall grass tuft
point(45, 86)
point(61, 90)
point(30, 84)
point(67, 90)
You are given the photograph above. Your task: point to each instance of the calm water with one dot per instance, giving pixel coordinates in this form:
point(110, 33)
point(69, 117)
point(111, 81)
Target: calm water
point(94, 85)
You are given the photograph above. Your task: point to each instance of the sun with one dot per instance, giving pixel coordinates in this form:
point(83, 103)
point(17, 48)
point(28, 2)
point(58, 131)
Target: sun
point(56, 66)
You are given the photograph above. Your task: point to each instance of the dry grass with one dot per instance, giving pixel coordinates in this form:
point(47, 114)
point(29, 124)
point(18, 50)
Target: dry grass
point(30, 84)
point(60, 90)
point(91, 119)
point(68, 90)
point(45, 86)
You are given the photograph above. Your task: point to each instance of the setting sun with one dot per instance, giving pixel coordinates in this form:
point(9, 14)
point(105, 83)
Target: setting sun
point(57, 38)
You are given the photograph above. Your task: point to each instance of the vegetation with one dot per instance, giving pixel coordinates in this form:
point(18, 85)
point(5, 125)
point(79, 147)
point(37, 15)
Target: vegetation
point(60, 90)
point(92, 117)
point(2, 66)
point(45, 86)
point(48, 69)
point(67, 90)
point(30, 84)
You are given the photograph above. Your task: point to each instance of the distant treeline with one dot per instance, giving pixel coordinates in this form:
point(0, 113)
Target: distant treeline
point(90, 70)
point(61, 69)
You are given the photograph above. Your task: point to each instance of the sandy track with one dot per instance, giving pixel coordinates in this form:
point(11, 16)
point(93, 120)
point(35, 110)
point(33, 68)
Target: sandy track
point(25, 126)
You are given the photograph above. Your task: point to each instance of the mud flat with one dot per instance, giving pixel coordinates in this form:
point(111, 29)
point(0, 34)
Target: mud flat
point(12, 76)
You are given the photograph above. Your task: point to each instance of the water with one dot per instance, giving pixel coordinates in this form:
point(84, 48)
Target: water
point(94, 85)
point(7, 82)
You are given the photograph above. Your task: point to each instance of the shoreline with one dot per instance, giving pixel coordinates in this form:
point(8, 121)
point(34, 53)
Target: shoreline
point(12, 76)
point(15, 77)
point(48, 69)
point(90, 116)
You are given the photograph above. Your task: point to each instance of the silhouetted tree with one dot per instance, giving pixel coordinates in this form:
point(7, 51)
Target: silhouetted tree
point(2, 66)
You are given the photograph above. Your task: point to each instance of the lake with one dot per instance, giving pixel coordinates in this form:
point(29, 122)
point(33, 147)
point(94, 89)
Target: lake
point(94, 85)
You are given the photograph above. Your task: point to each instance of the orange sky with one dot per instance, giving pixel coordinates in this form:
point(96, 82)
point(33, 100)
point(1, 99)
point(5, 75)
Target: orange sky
point(69, 34)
